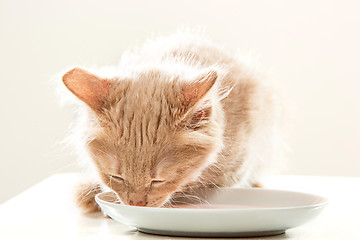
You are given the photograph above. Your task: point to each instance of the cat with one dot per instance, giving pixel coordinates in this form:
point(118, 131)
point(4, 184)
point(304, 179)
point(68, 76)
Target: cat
point(174, 115)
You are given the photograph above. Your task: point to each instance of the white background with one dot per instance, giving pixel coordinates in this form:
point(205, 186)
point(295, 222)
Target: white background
point(310, 48)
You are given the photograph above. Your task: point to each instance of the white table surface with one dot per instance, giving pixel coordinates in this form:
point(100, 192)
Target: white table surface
point(46, 211)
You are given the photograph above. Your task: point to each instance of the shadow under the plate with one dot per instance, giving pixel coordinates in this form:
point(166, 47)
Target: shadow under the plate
point(145, 236)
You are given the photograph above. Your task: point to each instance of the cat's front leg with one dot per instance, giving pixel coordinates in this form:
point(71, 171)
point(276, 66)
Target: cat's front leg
point(85, 197)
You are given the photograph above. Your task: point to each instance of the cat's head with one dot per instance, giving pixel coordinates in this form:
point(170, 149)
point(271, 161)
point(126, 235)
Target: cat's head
point(151, 135)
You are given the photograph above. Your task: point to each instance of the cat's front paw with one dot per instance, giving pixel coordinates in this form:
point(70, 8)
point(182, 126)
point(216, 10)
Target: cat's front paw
point(85, 197)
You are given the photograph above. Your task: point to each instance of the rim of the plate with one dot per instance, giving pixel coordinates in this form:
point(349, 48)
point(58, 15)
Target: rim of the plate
point(323, 202)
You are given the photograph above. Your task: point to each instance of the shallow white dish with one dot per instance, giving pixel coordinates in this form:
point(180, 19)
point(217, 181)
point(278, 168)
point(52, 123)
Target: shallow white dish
point(245, 213)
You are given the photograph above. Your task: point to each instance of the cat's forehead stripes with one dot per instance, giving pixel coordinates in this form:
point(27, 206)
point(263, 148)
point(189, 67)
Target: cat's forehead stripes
point(140, 113)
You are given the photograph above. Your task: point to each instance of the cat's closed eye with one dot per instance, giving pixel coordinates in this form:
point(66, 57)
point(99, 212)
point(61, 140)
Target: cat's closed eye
point(117, 178)
point(156, 182)
point(153, 183)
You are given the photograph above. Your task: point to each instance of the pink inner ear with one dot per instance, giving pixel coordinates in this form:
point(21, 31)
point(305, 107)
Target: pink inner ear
point(199, 116)
point(87, 87)
point(197, 89)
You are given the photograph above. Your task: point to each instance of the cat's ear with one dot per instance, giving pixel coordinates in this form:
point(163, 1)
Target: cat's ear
point(88, 87)
point(197, 89)
point(194, 93)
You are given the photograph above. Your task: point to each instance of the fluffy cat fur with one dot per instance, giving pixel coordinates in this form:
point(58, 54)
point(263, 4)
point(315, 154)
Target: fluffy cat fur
point(177, 114)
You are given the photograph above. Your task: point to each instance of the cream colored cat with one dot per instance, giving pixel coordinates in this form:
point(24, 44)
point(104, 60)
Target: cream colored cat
point(178, 113)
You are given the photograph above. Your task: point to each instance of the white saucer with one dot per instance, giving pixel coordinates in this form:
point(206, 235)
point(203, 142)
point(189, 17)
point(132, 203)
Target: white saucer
point(244, 213)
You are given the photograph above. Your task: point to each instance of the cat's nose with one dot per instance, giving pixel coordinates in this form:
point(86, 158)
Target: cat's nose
point(140, 203)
